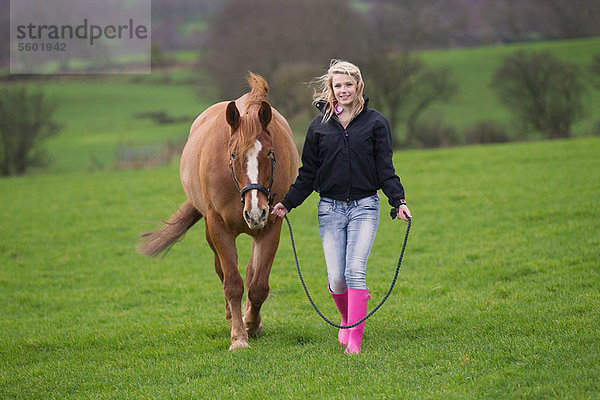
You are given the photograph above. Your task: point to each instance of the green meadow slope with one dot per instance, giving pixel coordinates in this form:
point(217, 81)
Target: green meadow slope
point(99, 115)
point(497, 296)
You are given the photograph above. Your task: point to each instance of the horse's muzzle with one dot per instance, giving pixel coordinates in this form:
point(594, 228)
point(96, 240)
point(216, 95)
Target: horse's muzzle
point(256, 218)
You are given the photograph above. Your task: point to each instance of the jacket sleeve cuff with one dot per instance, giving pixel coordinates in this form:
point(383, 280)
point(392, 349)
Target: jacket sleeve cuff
point(287, 205)
point(397, 202)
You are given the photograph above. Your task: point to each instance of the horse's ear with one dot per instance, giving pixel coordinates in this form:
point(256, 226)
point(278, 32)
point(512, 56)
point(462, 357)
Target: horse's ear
point(265, 114)
point(233, 115)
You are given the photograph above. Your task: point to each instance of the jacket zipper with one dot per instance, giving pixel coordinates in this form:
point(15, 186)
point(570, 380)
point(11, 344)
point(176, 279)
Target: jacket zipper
point(349, 160)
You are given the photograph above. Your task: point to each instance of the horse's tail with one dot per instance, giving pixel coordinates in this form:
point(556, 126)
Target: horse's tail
point(173, 230)
point(258, 86)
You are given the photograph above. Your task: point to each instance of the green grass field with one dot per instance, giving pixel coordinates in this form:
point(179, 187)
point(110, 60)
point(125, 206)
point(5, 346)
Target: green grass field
point(497, 298)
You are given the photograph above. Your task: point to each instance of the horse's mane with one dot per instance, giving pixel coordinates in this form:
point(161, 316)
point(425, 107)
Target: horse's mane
point(250, 126)
point(258, 89)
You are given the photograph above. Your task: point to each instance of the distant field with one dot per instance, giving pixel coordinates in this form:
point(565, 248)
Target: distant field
point(473, 69)
point(497, 297)
point(100, 113)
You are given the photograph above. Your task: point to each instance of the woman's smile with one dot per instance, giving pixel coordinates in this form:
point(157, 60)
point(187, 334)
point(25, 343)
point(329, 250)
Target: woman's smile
point(344, 89)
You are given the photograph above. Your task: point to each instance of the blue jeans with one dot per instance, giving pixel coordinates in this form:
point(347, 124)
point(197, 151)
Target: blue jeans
point(347, 233)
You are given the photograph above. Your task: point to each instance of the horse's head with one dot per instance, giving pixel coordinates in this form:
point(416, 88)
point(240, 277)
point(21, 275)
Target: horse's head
point(252, 160)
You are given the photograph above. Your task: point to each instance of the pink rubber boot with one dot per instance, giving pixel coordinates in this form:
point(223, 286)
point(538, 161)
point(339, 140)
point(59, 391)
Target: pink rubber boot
point(357, 309)
point(341, 301)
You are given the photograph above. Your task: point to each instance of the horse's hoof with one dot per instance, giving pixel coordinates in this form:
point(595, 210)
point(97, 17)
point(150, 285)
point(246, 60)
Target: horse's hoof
point(256, 332)
point(239, 344)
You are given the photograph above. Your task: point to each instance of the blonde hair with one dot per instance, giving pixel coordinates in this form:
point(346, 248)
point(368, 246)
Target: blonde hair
point(324, 88)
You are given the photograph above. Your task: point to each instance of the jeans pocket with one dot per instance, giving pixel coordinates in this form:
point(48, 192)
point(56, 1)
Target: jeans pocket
point(325, 206)
point(370, 203)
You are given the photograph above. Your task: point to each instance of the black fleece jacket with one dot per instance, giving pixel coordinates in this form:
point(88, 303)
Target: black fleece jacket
point(347, 164)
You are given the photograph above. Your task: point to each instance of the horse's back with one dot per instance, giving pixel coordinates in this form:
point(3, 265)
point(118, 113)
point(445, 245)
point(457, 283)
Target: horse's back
point(209, 118)
point(287, 146)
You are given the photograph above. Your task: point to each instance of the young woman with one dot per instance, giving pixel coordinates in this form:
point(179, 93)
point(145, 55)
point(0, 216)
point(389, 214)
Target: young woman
point(347, 158)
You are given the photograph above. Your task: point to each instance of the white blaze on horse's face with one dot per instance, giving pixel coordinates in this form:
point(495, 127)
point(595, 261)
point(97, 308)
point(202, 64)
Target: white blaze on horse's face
point(256, 217)
point(252, 169)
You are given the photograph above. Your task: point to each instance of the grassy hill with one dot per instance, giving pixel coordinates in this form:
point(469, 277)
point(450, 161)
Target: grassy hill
point(100, 113)
point(473, 69)
point(497, 296)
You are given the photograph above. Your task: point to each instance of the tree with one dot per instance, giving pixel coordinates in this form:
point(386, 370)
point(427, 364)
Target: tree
point(292, 93)
point(25, 122)
point(516, 20)
point(432, 85)
point(390, 82)
point(264, 35)
point(404, 87)
point(572, 18)
point(412, 24)
point(596, 68)
point(543, 92)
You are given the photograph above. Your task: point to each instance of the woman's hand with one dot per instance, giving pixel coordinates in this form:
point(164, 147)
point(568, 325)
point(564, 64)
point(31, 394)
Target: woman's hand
point(279, 210)
point(404, 212)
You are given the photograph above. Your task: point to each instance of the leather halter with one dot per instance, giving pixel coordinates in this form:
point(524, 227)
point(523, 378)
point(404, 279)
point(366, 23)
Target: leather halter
point(256, 186)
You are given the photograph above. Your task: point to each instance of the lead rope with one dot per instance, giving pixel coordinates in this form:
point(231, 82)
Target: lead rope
point(382, 301)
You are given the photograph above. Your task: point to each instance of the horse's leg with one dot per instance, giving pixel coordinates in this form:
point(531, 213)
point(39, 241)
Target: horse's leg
point(233, 285)
point(249, 275)
point(264, 247)
point(252, 331)
point(219, 272)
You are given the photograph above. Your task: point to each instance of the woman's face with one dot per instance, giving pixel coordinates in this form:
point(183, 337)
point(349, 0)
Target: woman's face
point(344, 89)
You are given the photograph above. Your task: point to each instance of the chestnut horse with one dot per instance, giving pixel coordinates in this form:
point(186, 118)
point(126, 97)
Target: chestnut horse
point(238, 150)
